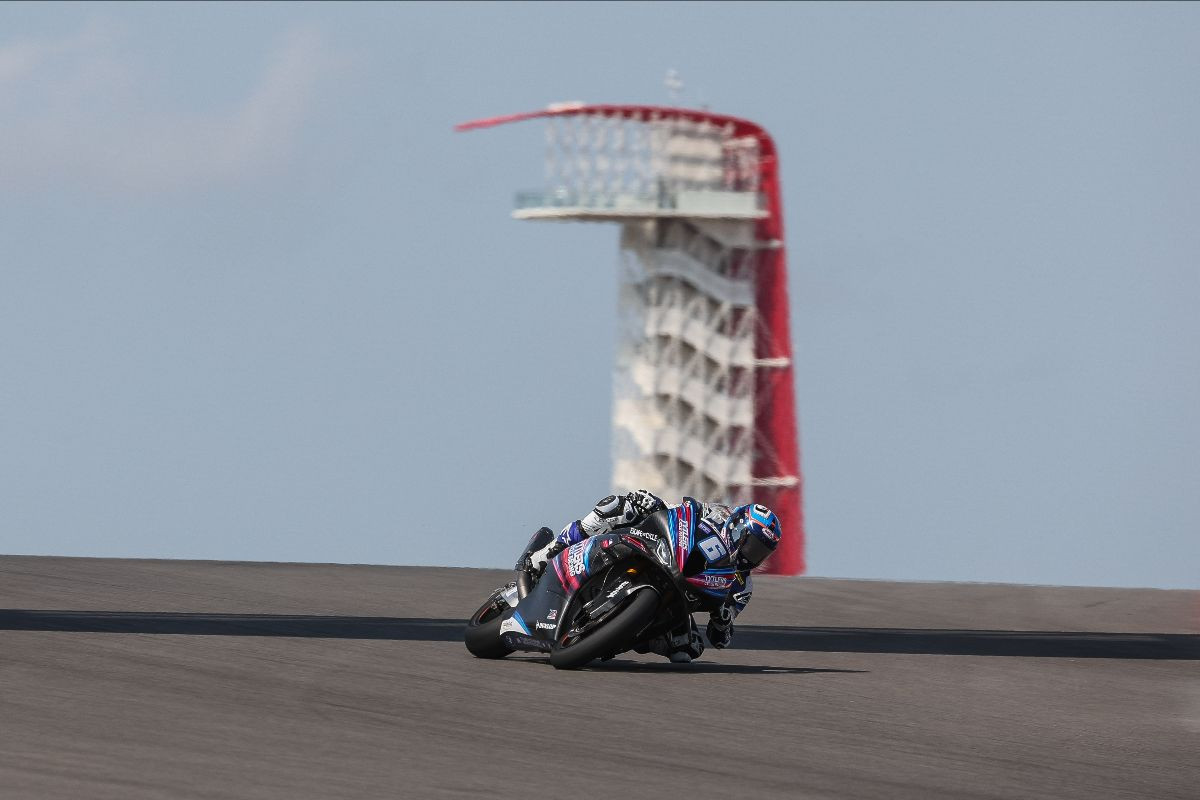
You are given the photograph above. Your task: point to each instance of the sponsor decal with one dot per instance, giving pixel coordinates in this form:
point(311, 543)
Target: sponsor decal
point(528, 642)
point(553, 614)
point(514, 624)
point(546, 626)
point(712, 585)
point(576, 559)
point(683, 532)
point(711, 581)
point(662, 549)
point(617, 590)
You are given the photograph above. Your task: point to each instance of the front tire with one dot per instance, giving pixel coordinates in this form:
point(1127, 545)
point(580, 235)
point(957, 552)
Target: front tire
point(482, 636)
point(614, 636)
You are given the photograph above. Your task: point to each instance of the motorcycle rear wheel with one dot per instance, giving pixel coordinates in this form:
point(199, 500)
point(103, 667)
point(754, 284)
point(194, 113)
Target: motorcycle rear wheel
point(613, 636)
point(482, 636)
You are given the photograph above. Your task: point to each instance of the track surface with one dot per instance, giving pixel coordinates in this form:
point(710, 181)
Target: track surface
point(139, 679)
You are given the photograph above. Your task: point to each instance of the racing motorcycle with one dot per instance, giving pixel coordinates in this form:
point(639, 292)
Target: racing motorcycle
point(609, 593)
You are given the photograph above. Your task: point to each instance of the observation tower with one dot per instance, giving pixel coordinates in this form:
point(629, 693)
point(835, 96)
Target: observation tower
point(704, 401)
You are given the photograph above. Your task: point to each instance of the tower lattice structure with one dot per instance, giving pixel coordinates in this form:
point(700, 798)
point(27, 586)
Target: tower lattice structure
point(703, 393)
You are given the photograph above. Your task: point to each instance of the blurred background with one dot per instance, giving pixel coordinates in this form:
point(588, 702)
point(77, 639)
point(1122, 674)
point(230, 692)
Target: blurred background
point(257, 301)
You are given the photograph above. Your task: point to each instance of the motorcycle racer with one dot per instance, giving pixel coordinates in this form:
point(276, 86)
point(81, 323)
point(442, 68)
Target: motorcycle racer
point(749, 533)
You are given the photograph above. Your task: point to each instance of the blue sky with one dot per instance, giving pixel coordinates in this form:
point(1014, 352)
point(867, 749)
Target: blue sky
point(257, 301)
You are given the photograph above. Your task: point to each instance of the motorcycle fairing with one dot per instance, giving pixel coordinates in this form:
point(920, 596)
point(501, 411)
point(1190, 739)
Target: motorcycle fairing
point(531, 625)
point(572, 567)
point(534, 623)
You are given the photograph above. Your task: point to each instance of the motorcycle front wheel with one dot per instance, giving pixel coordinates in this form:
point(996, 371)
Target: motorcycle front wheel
point(613, 636)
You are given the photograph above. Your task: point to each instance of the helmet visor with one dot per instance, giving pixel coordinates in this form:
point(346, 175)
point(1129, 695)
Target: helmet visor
point(753, 551)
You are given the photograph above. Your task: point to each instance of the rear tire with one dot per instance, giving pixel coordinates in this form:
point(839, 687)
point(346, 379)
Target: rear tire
point(482, 636)
point(612, 637)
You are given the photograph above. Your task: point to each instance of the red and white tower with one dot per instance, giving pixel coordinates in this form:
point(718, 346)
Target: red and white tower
point(704, 401)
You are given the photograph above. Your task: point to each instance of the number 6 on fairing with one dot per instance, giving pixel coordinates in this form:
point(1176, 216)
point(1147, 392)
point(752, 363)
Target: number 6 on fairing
point(713, 548)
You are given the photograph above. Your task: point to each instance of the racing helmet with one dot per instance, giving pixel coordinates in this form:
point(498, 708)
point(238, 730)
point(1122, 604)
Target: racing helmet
point(754, 533)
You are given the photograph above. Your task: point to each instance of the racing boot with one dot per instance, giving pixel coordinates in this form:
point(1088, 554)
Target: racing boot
point(720, 627)
point(680, 645)
point(536, 561)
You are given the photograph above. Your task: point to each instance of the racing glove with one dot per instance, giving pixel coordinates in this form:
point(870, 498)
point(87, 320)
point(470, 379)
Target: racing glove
point(617, 511)
point(720, 627)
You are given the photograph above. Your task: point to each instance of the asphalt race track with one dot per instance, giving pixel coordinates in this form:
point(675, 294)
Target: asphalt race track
point(177, 679)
